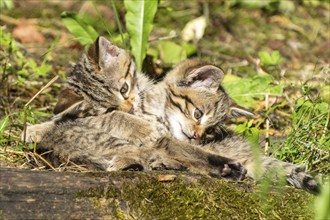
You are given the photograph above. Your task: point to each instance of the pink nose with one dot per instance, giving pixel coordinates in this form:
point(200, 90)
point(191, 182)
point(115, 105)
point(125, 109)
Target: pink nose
point(196, 136)
point(131, 111)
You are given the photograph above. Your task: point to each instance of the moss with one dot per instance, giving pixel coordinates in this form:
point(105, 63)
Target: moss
point(140, 195)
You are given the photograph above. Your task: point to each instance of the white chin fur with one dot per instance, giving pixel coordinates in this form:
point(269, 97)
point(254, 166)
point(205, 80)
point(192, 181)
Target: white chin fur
point(175, 126)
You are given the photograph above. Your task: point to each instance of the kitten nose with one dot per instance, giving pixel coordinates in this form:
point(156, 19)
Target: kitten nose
point(196, 136)
point(131, 111)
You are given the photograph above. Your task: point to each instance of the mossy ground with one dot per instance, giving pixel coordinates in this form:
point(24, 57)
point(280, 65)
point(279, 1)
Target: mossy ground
point(232, 40)
point(139, 195)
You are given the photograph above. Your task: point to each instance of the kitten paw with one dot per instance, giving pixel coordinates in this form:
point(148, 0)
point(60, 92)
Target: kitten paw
point(124, 163)
point(302, 180)
point(231, 171)
point(36, 132)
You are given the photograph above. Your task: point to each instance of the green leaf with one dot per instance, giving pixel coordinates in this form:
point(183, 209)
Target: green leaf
point(84, 33)
point(9, 4)
point(274, 58)
point(322, 107)
point(4, 124)
point(44, 69)
point(244, 91)
point(171, 53)
point(139, 19)
point(190, 48)
point(325, 93)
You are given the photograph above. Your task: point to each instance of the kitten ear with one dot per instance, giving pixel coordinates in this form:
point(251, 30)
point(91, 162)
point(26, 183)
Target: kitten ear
point(236, 111)
point(66, 99)
point(102, 52)
point(207, 76)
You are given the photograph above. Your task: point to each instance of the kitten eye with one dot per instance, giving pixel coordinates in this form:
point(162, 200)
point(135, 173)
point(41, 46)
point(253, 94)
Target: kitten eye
point(124, 88)
point(198, 113)
point(209, 130)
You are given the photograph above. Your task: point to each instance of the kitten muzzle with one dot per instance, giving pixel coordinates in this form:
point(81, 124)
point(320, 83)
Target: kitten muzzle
point(131, 111)
point(196, 137)
point(127, 107)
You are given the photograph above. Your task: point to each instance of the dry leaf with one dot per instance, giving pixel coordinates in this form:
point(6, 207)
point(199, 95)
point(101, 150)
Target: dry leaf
point(26, 32)
point(194, 29)
point(166, 178)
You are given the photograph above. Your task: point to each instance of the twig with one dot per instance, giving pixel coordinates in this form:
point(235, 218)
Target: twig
point(81, 167)
point(282, 113)
point(14, 152)
point(169, 37)
point(27, 104)
point(9, 20)
point(326, 123)
point(39, 156)
point(321, 159)
point(14, 21)
point(267, 126)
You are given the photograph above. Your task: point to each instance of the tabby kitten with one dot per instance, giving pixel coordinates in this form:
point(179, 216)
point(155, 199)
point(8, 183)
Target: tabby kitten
point(187, 104)
point(154, 116)
point(103, 80)
point(189, 99)
point(94, 142)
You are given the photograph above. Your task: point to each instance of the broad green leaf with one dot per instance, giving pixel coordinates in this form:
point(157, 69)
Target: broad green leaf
point(139, 19)
point(9, 4)
point(84, 33)
point(244, 91)
point(171, 53)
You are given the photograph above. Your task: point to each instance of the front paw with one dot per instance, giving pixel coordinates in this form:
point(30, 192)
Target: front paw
point(231, 171)
point(124, 163)
point(35, 133)
point(300, 179)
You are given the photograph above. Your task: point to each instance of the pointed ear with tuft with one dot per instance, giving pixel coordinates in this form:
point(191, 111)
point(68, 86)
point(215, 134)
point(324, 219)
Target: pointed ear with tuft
point(207, 76)
point(102, 52)
point(236, 111)
point(66, 99)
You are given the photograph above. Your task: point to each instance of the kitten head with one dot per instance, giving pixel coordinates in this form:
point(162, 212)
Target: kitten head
point(196, 100)
point(104, 79)
point(218, 132)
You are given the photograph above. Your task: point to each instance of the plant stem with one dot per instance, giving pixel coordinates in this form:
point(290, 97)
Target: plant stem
point(118, 22)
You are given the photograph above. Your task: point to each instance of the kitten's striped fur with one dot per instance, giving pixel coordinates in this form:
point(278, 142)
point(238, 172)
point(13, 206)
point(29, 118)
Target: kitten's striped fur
point(189, 104)
point(109, 135)
point(95, 86)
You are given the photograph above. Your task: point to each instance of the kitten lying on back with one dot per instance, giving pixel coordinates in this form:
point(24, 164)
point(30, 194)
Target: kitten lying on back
point(186, 104)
